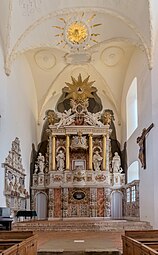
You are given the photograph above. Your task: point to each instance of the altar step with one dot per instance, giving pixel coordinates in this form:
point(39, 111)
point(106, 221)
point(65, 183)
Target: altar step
point(80, 225)
point(86, 252)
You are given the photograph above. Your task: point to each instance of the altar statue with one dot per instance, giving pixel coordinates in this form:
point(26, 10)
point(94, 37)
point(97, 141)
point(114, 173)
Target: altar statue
point(60, 160)
point(40, 161)
point(97, 159)
point(36, 169)
point(116, 163)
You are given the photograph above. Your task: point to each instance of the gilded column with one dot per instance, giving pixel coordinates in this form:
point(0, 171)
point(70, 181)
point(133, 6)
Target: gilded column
point(67, 152)
point(104, 152)
point(53, 152)
point(90, 152)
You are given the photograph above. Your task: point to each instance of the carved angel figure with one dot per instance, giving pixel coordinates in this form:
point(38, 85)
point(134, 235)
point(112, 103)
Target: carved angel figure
point(51, 117)
point(107, 117)
point(65, 118)
point(93, 119)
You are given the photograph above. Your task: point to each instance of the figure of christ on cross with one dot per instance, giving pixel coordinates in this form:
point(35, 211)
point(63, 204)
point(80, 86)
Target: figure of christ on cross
point(142, 145)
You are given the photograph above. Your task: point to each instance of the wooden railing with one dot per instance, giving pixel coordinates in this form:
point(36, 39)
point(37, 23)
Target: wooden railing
point(140, 242)
point(17, 242)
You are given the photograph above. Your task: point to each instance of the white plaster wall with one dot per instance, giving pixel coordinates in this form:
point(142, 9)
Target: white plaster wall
point(138, 68)
point(154, 20)
point(154, 103)
point(18, 106)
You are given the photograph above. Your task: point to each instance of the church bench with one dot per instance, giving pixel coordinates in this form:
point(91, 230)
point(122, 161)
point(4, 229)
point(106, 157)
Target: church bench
point(142, 234)
point(140, 242)
point(11, 240)
point(144, 240)
point(17, 242)
point(4, 246)
point(15, 234)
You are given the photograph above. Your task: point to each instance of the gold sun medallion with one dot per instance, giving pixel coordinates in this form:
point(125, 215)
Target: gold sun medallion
point(77, 32)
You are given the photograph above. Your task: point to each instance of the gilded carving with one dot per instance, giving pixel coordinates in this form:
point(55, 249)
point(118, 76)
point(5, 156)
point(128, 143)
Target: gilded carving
point(77, 32)
point(79, 90)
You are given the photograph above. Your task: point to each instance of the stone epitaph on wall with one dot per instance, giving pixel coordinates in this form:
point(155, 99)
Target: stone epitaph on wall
point(14, 189)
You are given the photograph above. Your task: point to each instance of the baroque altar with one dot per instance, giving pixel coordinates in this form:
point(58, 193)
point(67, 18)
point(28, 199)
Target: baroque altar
point(78, 173)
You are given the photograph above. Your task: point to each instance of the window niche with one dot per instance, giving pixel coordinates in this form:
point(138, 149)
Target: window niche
point(132, 108)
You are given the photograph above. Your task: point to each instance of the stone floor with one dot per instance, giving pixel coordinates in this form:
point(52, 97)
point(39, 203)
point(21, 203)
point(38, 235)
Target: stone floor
point(76, 236)
point(79, 243)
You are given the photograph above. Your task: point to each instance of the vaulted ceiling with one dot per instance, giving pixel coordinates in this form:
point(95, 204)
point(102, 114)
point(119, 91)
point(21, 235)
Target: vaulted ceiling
point(62, 38)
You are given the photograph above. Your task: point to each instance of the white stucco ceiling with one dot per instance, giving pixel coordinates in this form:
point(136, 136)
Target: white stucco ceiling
point(32, 28)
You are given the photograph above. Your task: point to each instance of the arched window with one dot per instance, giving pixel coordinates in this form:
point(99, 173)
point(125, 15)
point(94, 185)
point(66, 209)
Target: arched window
point(133, 172)
point(131, 108)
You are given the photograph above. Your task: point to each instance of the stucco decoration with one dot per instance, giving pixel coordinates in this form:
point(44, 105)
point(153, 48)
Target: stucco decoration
point(77, 58)
point(82, 70)
point(12, 46)
point(30, 7)
point(45, 59)
point(111, 56)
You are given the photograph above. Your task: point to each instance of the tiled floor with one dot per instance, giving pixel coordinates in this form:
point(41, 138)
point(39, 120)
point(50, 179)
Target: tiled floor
point(79, 241)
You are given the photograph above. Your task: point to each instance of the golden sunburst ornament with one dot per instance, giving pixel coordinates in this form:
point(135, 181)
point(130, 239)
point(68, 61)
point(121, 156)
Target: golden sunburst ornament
point(77, 31)
point(80, 89)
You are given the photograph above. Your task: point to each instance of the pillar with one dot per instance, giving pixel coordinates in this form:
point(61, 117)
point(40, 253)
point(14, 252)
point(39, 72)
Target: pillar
point(104, 152)
point(90, 152)
point(53, 152)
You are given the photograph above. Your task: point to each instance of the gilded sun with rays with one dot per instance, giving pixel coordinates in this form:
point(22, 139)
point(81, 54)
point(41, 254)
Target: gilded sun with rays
point(77, 32)
point(79, 89)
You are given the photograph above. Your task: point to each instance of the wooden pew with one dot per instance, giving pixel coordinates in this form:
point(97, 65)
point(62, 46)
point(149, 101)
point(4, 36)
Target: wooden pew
point(140, 242)
point(17, 242)
point(142, 234)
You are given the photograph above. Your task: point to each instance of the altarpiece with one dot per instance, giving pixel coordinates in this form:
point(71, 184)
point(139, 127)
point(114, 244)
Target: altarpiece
point(77, 174)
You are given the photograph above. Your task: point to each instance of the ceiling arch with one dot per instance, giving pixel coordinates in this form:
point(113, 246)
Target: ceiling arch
point(105, 58)
point(15, 48)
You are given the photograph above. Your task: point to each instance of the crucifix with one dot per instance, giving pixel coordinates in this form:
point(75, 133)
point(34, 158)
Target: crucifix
point(142, 146)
